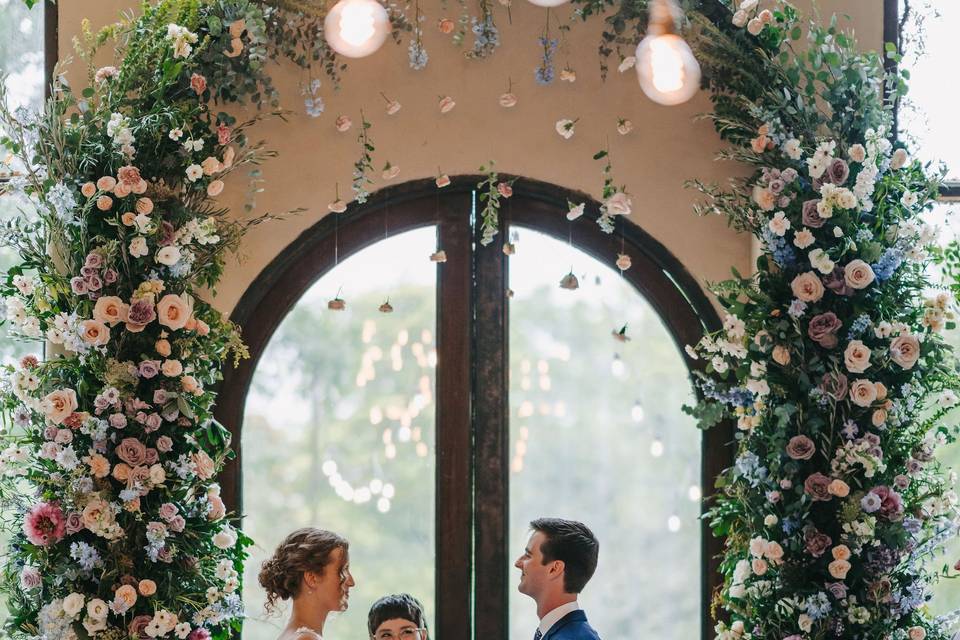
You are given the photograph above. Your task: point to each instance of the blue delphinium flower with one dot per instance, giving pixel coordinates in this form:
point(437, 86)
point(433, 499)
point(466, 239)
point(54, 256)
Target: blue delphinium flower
point(818, 606)
point(858, 326)
point(783, 253)
point(418, 55)
point(544, 73)
point(86, 556)
point(63, 201)
point(888, 263)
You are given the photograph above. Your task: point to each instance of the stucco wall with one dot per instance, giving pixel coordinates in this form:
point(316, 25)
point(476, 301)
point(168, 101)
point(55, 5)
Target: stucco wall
point(665, 148)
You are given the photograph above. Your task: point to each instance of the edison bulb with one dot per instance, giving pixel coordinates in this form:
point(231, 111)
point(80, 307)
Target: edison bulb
point(656, 447)
point(667, 69)
point(356, 28)
point(673, 524)
point(548, 3)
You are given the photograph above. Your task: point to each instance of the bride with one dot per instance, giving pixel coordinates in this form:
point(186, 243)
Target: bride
point(311, 567)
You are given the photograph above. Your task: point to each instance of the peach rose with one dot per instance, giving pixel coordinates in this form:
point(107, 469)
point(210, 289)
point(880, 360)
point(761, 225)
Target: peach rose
point(121, 190)
point(840, 552)
point(807, 287)
point(228, 156)
point(879, 417)
point(839, 488)
point(129, 218)
point(99, 466)
point(191, 385)
point(215, 188)
point(126, 594)
point(121, 471)
point(162, 347)
point(139, 188)
point(858, 274)
point(917, 633)
point(217, 509)
point(905, 351)
point(857, 357)
point(174, 311)
point(781, 355)
point(104, 203)
point(129, 176)
point(508, 100)
point(97, 513)
point(759, 566)
point(147, 587)
point(144, 206)
point(171, 368)
point(110, 310)
point(446, 104)
point(773, 552)
point(204, 465)
point(58, 405)
point(839, 568)
point(343, 123)
point(881, 390)
point(94, 332)
point(446, 25)
point(88, 189)
point(863, 392)
point(211, 166)
point(198, 83)
point(106, 183)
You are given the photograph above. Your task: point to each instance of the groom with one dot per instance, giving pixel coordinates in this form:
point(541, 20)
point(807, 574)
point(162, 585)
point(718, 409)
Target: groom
point(559, 560)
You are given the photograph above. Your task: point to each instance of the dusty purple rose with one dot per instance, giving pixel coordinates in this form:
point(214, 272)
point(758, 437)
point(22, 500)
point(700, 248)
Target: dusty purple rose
point(777, 186)
point(879, 590)
point(811, 217)
point(93, 260)
point(117, 420)
point(131, 451)
point(148, 369)
point(801, 448)
point(891, 505)
point(176, 524)
point(837, 172)
point(167, 233)
point(49, 433)
point(153, 422)
point(78, 285)
point(94, 283)
point(816, 542)
point(168, 510)
point(74, 522)
point(30, 578)
point(783, 202)
point(109, 276)
point(837, 283)
point(789, 174)
point(166, 553)
point(923, 453)
point(138, 626)
point(86, 272)
point(834, 385)
point(199, 634)
point(141, 312)
point(164, 444)
point(160, 396)
point(152, 456)
point(837, 589)
point(823, 329)
point(816, 486)
point(901, 482)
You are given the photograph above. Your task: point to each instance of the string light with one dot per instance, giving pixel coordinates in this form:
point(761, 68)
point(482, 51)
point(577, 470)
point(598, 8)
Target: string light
point(673, 523)
point(694, 493)
point(617, 368)
point(356, 28)
point(656, 447)
point(637, 413)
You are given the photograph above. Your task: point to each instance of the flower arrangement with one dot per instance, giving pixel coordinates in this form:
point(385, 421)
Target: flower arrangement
point(830, 360)
point(117, 528)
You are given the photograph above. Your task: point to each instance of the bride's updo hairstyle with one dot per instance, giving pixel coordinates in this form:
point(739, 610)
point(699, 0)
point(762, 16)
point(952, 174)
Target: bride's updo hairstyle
point(306, 549)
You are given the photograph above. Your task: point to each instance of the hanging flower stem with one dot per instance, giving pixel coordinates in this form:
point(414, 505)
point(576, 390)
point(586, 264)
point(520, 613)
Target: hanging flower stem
point(365, 163)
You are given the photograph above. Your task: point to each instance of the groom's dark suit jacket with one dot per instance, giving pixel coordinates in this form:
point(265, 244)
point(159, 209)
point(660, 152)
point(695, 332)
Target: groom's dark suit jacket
point(573, 626)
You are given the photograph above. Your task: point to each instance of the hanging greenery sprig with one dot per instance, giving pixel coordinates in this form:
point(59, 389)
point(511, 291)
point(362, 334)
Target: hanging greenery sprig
point(491, 190)
point(365, 163)
point(615, 199)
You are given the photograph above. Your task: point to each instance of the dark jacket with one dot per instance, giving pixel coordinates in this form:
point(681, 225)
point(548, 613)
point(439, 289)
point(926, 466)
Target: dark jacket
point(573, 626)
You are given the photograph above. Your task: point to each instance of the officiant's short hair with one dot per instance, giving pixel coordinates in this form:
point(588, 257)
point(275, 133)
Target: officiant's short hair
point(572, 543)
point(398, 605)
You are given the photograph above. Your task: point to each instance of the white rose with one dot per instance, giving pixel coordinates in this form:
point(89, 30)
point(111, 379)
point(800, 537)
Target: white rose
point(169, 255)
point(792, 148)
point(194, 172)
point(820, 261)
point(97, 609)
point(619, 204)
point(899, 159)
point(138, 247)
point(565, 127)
point(225, 538)
point(73, 604)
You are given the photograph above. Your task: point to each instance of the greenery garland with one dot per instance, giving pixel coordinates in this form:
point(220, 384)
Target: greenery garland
point(111, 452)
point(830, 363)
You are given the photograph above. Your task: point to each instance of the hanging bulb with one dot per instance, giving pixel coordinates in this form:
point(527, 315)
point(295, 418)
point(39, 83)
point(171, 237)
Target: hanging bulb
point(637, 413)
point(548, 3)
point(656, 447)
point(694, 493)
point(617, 367)
point(666, 67)
point(673, 523)
point(356, 28)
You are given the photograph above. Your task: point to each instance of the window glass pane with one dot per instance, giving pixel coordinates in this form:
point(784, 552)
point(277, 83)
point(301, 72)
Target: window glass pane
point(597, 435)
point(930, 112)
point(339, 430)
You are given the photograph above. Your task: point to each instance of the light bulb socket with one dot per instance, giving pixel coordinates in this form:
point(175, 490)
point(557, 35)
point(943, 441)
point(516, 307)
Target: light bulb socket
point(663, 17)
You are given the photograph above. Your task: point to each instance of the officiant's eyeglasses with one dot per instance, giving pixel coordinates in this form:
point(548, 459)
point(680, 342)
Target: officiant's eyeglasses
point(410, 633)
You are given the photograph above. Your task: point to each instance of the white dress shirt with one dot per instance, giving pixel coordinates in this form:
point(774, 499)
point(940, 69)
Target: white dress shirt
point(553, 617)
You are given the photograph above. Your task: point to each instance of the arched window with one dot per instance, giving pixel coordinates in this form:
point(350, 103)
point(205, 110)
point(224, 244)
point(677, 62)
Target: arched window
point(490, 396)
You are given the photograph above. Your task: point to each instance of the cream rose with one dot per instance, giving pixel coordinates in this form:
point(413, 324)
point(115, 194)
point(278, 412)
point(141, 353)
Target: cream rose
point(169, 255)
point(215, 188)
point(58, 405)
point(138, 247)
point(174, 311)
point(857, 357)
point(858, 274)
point(619, 204)
point(203, 464)
point(97, 609)
point(94, 332)
point(157, 475)
point(863, 392)
point(73, 604)
point(905, 350)
point(163, 347)
point(110, 310)
point(839, 568)
point(171, 368)
point(807, 287)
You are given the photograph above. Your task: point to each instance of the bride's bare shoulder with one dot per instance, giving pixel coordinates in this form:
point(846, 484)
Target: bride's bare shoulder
point(306, 633)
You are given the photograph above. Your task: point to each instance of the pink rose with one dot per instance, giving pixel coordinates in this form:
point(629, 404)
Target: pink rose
point(198, 83)
point(807, 287)
point(164, 444)
point(223, 134)
point(905, 351)
point(168, 510)
point(504, 189)
point(129, 176)
point(132, 451)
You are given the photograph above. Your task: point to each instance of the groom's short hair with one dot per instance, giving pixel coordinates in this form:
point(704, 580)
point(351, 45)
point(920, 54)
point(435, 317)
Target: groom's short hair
point(400, 605)
point(572, 543)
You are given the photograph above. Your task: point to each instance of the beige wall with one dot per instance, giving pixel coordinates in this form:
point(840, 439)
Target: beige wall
point(665, 148)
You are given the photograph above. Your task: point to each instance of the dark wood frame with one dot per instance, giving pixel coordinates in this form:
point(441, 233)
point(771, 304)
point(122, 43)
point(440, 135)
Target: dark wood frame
point(473, 445)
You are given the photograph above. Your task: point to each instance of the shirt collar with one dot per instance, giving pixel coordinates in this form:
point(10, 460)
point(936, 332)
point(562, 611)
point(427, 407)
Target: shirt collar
point(553, 617)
